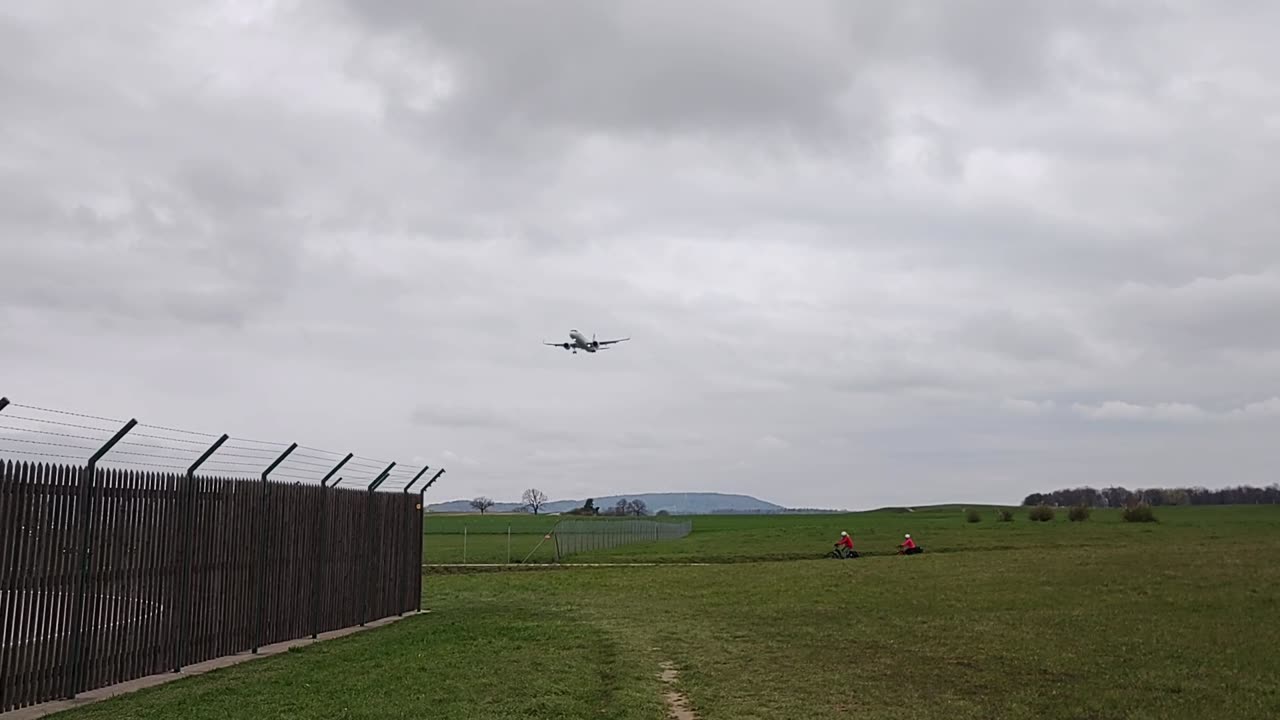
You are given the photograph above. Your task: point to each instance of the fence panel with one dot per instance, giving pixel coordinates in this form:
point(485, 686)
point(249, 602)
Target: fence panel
point(38, 579)
point(178, 573)
point(133, 587)
point(587, 535)
point(455, 539)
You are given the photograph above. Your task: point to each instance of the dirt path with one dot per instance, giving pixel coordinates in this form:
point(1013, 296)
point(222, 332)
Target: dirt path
point(677, 702)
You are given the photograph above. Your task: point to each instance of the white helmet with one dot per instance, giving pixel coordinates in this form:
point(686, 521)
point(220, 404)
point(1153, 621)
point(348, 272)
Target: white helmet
point(908, 535)
point(843, 532)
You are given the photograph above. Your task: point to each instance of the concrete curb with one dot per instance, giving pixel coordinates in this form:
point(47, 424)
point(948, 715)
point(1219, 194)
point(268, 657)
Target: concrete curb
point(99, 694)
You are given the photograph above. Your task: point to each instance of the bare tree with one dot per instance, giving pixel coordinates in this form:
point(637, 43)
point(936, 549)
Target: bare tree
point(482, 503)
point(534, 499)
point(637, 508)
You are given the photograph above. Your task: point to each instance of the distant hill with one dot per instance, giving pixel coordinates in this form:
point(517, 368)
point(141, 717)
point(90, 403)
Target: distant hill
point(694, 503)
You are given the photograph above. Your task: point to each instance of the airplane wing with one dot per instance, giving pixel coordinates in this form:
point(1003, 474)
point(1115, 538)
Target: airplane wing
point(602, 343)
point(564, 345)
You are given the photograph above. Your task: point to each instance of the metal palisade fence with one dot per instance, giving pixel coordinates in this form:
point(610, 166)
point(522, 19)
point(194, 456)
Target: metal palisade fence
point(173, 574)
point(110, 574)
point(586, 535)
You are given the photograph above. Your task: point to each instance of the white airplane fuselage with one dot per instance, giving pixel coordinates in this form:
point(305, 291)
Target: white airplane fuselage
point(578, 341)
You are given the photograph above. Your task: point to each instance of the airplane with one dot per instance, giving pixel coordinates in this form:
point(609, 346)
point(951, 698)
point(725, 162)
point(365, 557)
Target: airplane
point(578, 341)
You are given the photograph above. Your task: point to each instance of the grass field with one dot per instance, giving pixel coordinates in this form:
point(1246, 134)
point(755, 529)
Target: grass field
point(472, 538)
point(1100, 619)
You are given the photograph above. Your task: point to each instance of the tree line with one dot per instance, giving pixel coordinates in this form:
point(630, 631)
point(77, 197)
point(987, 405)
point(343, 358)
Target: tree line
point(1124, 497)
point(620, 508)
point(533, 500)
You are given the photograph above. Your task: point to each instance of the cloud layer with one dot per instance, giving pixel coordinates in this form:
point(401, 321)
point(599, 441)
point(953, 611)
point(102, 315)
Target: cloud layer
point(894, 254)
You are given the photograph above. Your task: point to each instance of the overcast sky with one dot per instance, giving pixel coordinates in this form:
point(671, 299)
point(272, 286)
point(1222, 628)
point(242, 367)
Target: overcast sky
point(868, 253)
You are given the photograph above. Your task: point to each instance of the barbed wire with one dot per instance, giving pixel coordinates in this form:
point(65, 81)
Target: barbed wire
point(35, 434)
point(11, 416)
point(399, 478)
point(47, 432)
point(37, 408)
point(318, 450)
point(81, 460)
point(199, 443)
point(175, 448)
point(370, 461)
point(269, 443)
point(177, 430)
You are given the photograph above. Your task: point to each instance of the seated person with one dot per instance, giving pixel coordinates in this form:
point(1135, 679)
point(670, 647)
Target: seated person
point(909, 547)
point(845, 545)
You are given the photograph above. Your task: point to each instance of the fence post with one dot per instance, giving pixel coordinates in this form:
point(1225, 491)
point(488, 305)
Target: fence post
point(180, 653)
point(433, 479)
point(261, 579)
point(320, 544)
point(508, 544)
point(422, 519)
point(369, 510)
point(407, 559)
point(410, 566)
point(324, 480)
point(464, 544)
point(417, 477)
point(88, 484)
point(382, 477)
point(421, 551)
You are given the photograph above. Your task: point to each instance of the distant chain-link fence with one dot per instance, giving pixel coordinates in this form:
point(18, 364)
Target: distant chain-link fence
point(583, 535)
point(487, 540)
point(498, 539)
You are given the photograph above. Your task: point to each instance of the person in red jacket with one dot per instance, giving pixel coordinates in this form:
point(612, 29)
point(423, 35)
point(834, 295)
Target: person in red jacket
point(845, 545)
point(909, 547)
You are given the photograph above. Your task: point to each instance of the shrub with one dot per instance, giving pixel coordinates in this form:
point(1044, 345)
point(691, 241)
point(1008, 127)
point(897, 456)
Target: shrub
point(973, 516)
point(1079, 513)
point(1004, 515)
point(1041, 513)
point(1139, 513)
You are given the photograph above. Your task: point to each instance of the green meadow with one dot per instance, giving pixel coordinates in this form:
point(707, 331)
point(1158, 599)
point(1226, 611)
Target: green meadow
point(488, 538)
point(1094, 619)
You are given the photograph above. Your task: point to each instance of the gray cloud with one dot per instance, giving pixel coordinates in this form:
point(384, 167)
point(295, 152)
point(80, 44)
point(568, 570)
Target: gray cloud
point(668, 69)
point(886, 253)
point(472, 417)
point(1236, 312)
